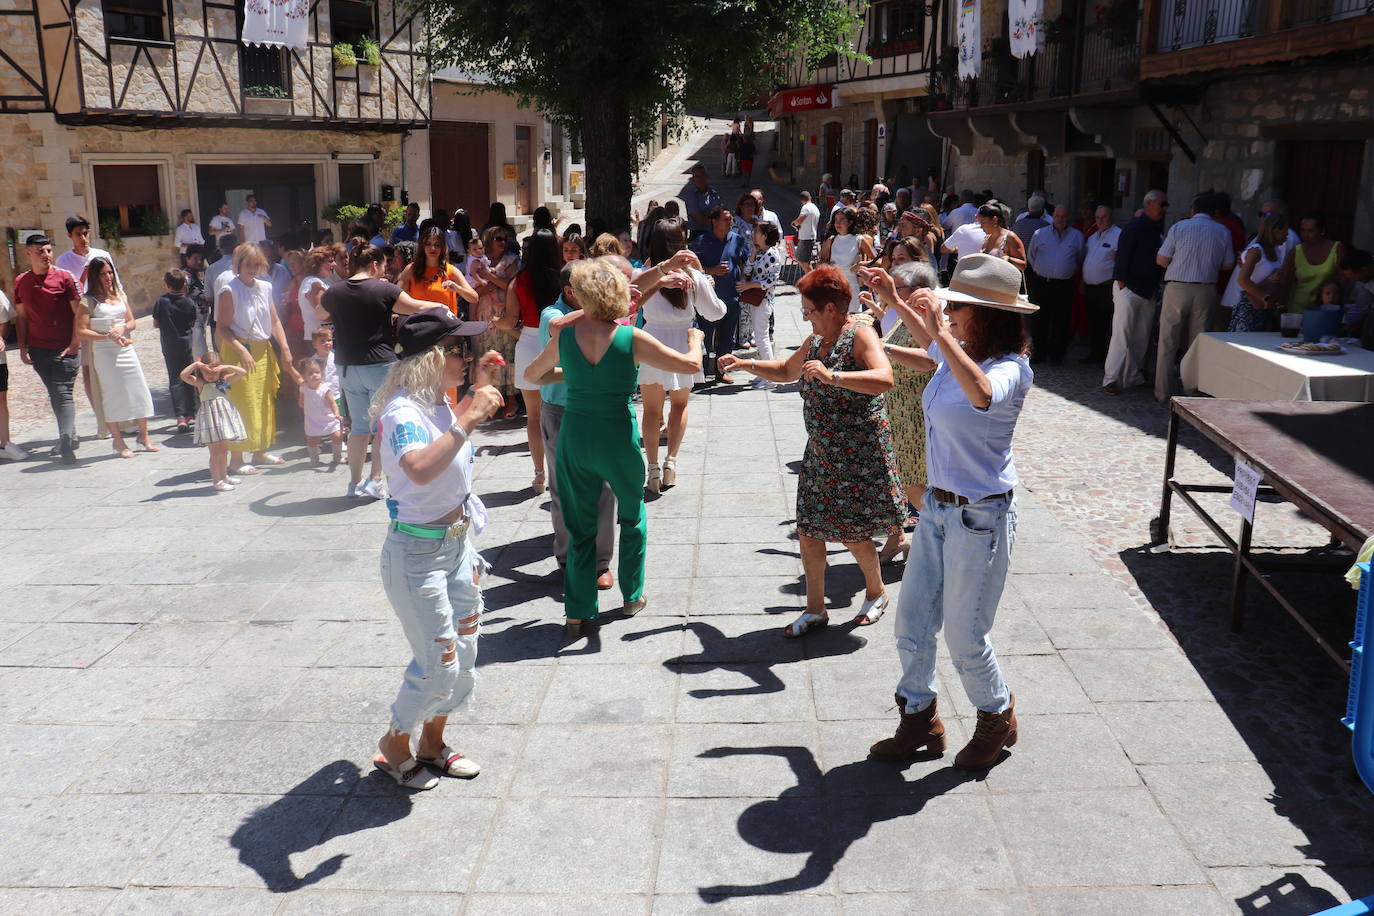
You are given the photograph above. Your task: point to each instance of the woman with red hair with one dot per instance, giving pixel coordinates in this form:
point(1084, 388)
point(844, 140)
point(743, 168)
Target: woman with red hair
point(848, 489)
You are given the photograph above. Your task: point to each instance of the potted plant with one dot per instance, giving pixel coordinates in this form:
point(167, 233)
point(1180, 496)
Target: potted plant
point(344, 56)
point(157, 225)
point(343, 212)
point(109, 234)
point(372, 52)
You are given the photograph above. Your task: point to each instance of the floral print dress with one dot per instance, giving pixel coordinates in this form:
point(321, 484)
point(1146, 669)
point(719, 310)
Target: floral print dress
point(904, 411)
point(848, 489)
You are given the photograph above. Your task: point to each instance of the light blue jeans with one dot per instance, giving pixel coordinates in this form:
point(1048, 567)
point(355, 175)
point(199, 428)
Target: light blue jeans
point(430, 585)
point(954, 577)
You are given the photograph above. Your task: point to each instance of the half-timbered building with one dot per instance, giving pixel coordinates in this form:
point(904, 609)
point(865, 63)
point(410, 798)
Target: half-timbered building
point(128, 111)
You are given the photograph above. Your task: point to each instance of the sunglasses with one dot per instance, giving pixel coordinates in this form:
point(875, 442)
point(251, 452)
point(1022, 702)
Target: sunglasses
point(458, 350)
point(952, 306)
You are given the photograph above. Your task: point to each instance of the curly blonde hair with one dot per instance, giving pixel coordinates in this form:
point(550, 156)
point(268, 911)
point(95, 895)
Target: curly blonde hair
point(421, 377)
point(600, 289)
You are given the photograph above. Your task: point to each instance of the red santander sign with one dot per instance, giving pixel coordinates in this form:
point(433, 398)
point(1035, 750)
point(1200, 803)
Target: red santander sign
point(821, 95)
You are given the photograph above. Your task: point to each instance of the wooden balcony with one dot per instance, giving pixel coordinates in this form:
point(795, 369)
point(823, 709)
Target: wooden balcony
point(1191, 36)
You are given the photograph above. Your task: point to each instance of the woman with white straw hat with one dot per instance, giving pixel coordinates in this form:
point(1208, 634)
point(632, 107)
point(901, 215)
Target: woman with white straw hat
point(957, 566)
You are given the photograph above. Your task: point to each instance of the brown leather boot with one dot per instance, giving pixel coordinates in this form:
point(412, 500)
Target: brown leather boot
point(995, 730)
point(915, 731)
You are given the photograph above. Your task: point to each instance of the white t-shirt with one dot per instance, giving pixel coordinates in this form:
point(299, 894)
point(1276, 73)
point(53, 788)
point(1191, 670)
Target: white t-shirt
point(961, 215)
point(331, 375)
point(1100, 258)
point(6, 317)
point(768, 216)
point(309, 319)
point(74, 264)
point(187, 234)
point(967, 239)
point(809, 216)
point(254, 223)
point(220, 224)
point(252, 309)
point(403, 428)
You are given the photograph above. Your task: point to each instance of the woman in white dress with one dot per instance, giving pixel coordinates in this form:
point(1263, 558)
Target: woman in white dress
point(673, 292)
point(107, 326)
point(846, 250)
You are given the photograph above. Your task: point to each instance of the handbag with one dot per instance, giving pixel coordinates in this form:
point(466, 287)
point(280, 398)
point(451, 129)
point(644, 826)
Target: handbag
point(753, 296)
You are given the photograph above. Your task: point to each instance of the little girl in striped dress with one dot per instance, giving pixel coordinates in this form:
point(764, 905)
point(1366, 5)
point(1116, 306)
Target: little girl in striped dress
point(217, 422)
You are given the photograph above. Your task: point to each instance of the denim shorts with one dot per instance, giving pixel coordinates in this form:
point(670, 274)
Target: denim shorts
point(360, 384)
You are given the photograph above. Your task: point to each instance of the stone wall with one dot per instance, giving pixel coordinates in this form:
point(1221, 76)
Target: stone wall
point(42, 164)
point(1239, 158)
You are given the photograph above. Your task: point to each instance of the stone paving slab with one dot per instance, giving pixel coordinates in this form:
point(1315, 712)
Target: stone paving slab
point(191, 685)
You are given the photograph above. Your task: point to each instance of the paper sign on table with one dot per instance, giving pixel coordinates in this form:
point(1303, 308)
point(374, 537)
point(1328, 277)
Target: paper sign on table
point(1243, 492)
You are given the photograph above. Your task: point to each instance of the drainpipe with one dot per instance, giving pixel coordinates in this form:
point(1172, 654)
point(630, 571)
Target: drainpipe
point(405, 191)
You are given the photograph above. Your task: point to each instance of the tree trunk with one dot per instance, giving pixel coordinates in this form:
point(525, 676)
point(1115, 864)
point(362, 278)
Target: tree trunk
point(608, 158)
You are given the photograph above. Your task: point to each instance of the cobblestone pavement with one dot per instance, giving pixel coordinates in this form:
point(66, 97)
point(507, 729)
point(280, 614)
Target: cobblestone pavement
point(191, 685)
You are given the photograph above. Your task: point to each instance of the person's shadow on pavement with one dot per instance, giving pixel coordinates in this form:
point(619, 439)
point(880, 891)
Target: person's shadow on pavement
point(751, 654)
point(774, 825)
point(268, 837)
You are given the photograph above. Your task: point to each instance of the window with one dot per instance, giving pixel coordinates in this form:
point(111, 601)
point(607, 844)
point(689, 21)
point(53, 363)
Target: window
point(139, 20)
point(352, 21)
point(128, 195)
point(353, 184)
point(896, 27)
point(265, 72)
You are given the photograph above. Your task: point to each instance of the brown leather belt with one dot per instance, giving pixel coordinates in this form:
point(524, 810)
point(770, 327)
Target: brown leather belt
point(954, 499)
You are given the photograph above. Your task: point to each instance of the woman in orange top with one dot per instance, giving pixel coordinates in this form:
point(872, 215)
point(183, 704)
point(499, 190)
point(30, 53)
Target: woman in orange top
point(431, 278)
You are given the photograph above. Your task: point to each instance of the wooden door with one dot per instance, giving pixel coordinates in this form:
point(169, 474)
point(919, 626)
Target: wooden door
point(834, 143)
point(460, 167)
point(523, 167)
point(1323, 176)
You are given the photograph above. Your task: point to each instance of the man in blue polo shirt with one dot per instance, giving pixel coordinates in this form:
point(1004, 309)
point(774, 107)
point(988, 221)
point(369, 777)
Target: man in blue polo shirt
point(722, 254)
point(699, 198)
point(555, 399)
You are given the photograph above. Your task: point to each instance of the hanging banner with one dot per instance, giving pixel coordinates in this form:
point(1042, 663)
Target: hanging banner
point(1026, 19)
point(279, 23)
point(786, 101)
point(970, 39)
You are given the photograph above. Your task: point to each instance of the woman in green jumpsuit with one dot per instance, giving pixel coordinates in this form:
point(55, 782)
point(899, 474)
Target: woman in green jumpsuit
point(599, 441)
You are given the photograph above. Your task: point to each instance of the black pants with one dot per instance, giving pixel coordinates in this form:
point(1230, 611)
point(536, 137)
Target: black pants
point(1050, 326)
point(58, 374)
point(720, 337)
point(184, 400)
point(1098, 299)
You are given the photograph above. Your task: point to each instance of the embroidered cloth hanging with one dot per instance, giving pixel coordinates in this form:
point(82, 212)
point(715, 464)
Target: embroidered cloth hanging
point(970, 39)
point(279, 23)
point(1026, 21)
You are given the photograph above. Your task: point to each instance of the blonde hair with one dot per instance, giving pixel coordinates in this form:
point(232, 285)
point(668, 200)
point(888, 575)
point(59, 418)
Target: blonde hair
point(420, 376)
point(250, 255)
point(605, 244)
point(601, 290)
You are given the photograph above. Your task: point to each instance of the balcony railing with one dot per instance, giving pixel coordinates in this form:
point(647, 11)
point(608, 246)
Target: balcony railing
point(1187, 24)
point(1087, 59)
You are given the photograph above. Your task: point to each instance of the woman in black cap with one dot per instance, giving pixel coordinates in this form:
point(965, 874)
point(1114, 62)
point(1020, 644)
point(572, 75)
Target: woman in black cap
point(429, 567)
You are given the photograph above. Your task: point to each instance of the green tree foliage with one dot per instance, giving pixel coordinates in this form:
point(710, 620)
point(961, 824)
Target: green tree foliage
point(613, 69)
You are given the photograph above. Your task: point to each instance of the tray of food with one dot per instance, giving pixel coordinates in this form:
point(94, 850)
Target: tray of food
point(1311, 348)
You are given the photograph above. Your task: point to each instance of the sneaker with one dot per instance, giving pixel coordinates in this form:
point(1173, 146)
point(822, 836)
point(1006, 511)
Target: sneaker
point(762, 384)
point(67, 453)
point(13, 452)
point(183, 426)
point(353, 490)
point(372, 488)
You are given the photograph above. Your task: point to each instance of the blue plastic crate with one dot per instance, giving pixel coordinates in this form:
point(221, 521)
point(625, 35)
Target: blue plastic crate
point(1354, 908)
point(1359, 707)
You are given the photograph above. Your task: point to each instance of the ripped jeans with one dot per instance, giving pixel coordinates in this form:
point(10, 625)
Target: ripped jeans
point(430, 585)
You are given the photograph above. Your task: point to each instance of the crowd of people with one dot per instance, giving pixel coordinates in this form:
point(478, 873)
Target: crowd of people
point(926, 314)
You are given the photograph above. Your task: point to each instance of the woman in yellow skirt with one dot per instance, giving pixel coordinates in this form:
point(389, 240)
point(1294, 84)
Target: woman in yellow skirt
point(247, 324)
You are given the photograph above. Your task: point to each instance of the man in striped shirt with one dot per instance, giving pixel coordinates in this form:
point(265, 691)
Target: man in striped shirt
point(1194, 254)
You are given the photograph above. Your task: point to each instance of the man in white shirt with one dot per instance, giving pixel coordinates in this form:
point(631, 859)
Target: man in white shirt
point(187, 233)
point(1195, 252)
point(962, 215)
point(765, 215)
point(1099, 261)
point(805, 224)
point(220, 224)
point(81, 254)
point(253, 221)
point(967, 239)
point(1054, 254)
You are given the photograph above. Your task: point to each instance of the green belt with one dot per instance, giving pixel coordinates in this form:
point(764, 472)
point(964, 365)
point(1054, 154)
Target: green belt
point(434, 532)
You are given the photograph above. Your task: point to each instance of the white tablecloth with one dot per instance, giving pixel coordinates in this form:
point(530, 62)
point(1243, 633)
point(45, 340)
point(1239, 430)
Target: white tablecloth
point(1246, 365)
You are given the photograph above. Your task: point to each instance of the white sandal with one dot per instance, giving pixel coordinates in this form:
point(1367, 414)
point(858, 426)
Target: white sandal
point(670, 471)
point(805, 624)
point(411, 774)
point(654, 484)
point(871, 611)
point(452, 763)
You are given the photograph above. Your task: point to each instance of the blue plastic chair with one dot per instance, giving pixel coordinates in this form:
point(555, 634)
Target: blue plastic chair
point(1359, 716)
